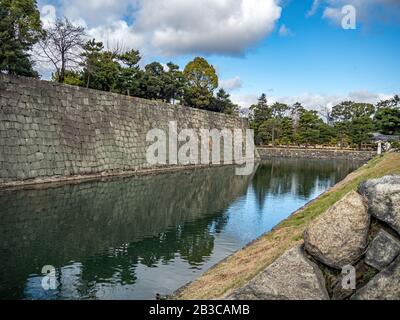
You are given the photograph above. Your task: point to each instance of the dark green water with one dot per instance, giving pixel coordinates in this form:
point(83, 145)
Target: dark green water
point(133, 238)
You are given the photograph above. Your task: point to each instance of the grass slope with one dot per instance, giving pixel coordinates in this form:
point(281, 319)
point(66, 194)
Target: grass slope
point(242, 266)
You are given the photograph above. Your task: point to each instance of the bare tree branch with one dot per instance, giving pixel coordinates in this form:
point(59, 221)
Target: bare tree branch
point(62, 46)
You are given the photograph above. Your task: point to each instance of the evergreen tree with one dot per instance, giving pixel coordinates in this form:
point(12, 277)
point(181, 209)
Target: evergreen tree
point(261, 112)
point(91, 55)
point(20, 29)
point(222, 103)
point(387, 120)
point(308, 127)
point(130, 76)
point(360, 130)
point(153, 81)
point(107, 72)
point(287, 133)
point(174, 84)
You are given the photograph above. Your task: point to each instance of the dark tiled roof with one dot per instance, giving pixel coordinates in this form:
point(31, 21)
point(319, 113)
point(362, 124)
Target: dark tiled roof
point(382, 137)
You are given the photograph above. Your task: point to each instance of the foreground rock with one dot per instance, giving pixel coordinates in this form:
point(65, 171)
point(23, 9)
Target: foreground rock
point(339, 237)
point(384, 199)
point(382, 251)
point(384, 286)
point(290, 277)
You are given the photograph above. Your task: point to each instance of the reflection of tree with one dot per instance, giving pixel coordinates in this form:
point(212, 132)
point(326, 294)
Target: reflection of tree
point(193, 241)
point(299, 177)
point(196, 242)
point(78, 222)
point(260, 183)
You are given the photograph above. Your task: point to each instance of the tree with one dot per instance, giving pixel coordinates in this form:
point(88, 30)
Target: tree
point(267, 120)
point(130, 75)
point(261, 112)
point(287, 133)
point(295, 113)
point(308, 128)
point(390, 103)
point(353, 122)
point(360, 130)
point(62, 46)
point(387, 117)
point(20, 29)
point(278, 111)
point(174, 83)
point(107, 71)
point(348, 110)
point(90, 55)
point(153, 81)
point(271, 129)
point(72, 78)
point(327, 134)
point(388, 120)
point(202, 81)
point(222, 103)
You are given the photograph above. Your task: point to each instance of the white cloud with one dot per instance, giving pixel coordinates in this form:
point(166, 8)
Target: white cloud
point(178, 27)
point(366, 10)
point(48, 15)
point(231, 84)
point(244, 100)
point(285, 31)
point(333, 14)
point(315, 101)
point(319, 101)
point(208, 26)
point(314, 8)
point(96, 12)
point(117, 33)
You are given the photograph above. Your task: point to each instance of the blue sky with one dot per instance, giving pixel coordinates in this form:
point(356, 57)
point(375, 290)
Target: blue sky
point(282, 48)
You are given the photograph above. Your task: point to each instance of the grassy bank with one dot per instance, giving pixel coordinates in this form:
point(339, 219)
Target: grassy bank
point(236, 270)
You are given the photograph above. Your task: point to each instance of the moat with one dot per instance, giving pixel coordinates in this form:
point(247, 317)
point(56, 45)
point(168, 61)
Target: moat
point(136, 237)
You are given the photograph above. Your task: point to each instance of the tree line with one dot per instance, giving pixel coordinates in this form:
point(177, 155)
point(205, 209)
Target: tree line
point(347, 124)
point(91, 64)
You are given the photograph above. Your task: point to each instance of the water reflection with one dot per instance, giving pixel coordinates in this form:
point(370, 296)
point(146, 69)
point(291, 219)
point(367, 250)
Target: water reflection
point(132, 238)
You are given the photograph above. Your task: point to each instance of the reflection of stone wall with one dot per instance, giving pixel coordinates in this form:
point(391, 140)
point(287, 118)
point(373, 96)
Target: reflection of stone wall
point(54, 226)
point(53, 130)
point(267, 153)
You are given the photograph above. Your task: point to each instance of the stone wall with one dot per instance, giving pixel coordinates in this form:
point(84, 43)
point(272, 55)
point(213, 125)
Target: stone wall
point(53, 130)
point(266, 153)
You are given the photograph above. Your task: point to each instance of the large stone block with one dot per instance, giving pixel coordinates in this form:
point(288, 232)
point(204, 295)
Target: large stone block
point(339, 236)
point(81, 123)
point(290, 277)
point(382, 251)
point(383, 196)
point(384, 286)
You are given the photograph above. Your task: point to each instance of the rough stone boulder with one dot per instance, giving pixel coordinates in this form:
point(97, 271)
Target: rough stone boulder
point(339, 236)
point(290, 277)
point(384, 286)
point(382, 251)
point(383, 197)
